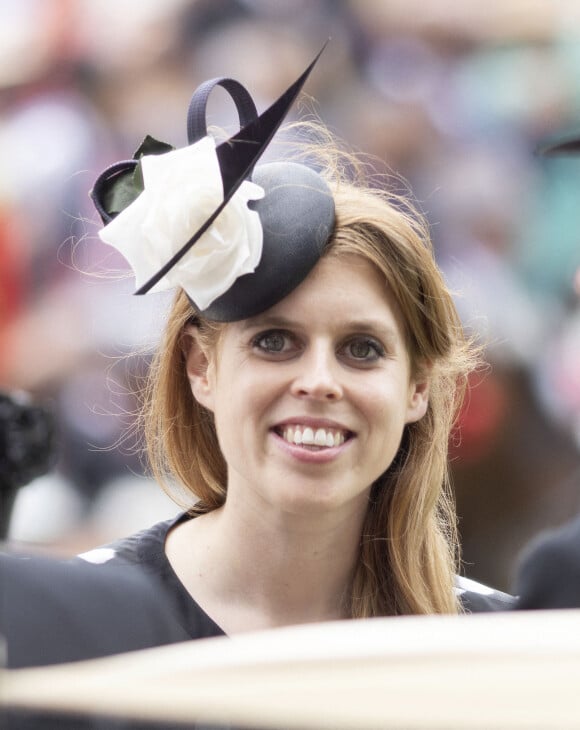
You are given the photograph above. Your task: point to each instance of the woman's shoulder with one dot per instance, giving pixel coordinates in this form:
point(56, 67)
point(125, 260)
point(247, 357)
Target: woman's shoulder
point(140, 548)
point(477, 597)
point(145, 550)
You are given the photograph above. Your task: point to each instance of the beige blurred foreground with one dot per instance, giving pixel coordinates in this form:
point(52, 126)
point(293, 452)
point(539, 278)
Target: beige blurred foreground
point(510, 670)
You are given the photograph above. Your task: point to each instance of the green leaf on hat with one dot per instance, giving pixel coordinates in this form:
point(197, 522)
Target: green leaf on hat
point(125, 188)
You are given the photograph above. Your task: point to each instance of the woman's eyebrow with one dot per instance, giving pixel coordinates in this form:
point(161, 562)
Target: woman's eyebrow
point(268, 320)
point(371, 325)
point(376, 326)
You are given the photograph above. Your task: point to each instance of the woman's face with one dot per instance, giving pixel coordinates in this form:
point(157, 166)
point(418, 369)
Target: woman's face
point(311, 397)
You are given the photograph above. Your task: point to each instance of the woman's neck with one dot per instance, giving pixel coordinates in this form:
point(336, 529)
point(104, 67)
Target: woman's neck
point(252, 568)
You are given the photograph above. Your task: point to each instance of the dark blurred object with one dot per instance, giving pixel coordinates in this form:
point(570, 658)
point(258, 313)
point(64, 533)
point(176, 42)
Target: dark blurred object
point(512, 483)
point(27, 448)
point(549, 574)
point(53, 612)
point(563, 145)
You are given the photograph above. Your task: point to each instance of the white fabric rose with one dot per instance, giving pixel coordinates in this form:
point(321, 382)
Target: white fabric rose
point(182, 189)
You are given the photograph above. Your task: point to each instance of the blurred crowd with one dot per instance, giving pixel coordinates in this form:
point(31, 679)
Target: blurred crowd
point(452, 99)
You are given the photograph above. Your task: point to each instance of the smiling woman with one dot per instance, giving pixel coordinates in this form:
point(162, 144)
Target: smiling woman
point(304, 391)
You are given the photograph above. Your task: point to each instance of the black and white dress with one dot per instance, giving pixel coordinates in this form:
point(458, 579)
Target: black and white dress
point(146, 549)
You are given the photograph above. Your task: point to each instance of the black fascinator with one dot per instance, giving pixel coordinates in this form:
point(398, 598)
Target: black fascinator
point(236, 237)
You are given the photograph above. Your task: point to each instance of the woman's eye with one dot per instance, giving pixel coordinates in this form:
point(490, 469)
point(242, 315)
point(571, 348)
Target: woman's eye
point(364, 349)
point(272, 342)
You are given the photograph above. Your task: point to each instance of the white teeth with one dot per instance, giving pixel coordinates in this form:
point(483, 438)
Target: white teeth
point(320, 437)
point(306, 436)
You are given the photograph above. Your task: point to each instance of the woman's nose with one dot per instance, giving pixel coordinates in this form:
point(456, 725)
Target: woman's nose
point(318, 376)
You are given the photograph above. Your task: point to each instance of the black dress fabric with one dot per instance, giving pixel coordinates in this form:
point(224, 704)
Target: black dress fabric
point(147, 550)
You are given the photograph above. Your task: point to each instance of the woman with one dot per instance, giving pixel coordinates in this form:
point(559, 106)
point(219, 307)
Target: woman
point(304, 395)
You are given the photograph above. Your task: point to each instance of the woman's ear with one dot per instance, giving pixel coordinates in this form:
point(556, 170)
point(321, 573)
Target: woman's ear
point(418, 400)
point(199, 367)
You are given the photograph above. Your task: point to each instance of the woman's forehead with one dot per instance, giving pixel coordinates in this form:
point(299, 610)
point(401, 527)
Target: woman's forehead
point(346, 288)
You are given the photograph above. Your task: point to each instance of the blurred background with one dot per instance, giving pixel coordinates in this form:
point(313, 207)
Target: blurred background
point(453, 97)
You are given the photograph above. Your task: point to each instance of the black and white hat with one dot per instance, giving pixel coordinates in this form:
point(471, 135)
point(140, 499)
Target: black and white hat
point(235, 238)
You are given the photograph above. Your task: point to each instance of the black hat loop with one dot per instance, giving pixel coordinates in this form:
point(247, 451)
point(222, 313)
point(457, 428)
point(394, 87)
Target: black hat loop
point(196, 130)
point(196, 114)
